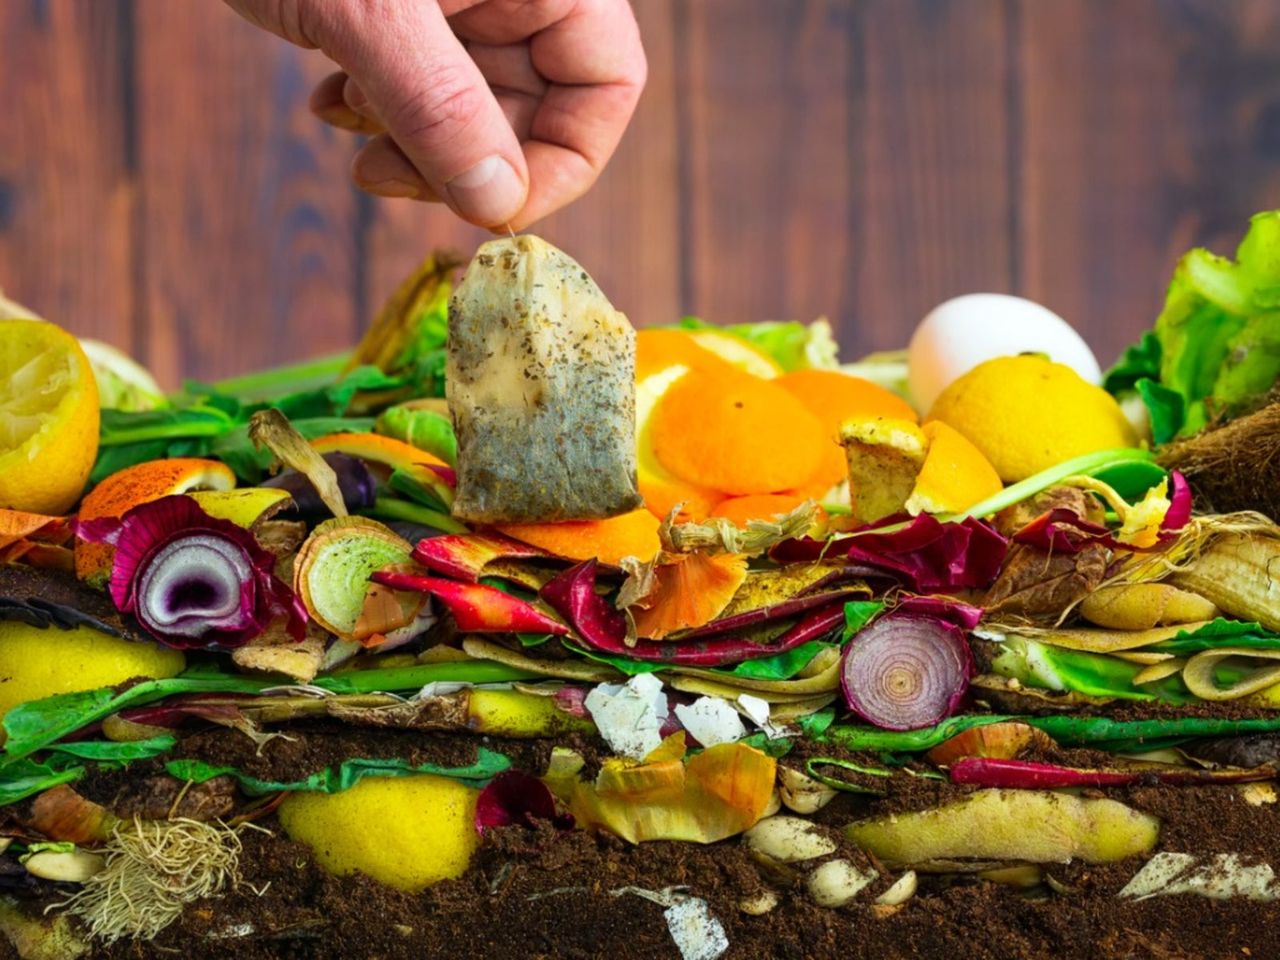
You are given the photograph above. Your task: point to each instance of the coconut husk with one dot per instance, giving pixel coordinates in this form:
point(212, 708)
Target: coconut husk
point(1235, 466)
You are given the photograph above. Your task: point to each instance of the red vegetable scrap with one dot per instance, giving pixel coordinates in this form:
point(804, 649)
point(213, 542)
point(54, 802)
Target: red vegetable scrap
point(963, 615)
point(1030, 775)
point(1180, 504)
point(513, 798)
point(594, 620)
point(475, 607)
point(1063, 530)
point(926, 554)
point(194, 581)
point(906, 671)
point(464, 556)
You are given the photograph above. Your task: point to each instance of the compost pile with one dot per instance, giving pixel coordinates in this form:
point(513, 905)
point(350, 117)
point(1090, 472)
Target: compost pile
point(519, 633)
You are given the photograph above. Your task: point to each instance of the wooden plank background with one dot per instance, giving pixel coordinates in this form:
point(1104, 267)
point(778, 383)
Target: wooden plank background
point(163, 187)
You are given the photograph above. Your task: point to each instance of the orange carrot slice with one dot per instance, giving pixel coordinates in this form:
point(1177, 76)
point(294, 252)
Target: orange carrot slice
point(633, 534)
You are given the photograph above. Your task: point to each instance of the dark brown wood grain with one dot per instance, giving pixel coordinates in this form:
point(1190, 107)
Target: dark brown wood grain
point(933, 199)
point(1148, 127)
point(162, 185)
point(67, 195)
point(247, 220)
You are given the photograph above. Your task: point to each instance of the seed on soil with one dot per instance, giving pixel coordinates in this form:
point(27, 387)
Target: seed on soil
point(801, 793)
point(65, 866)
point(787, 840)
point(903, 889)
point(758, 904)
point(837, 882)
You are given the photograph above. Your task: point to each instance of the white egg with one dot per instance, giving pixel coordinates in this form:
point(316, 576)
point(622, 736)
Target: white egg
point(958, 335)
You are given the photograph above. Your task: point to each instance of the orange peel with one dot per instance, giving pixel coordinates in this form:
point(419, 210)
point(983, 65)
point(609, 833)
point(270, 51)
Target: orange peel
point(735, 433)
point(954, 476)
point(690, 591)
point(834, 397)
point(657, 350)
point(141, 483)
point(633, 534)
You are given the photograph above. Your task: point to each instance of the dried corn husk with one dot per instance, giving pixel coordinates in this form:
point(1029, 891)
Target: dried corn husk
point(1241, 574)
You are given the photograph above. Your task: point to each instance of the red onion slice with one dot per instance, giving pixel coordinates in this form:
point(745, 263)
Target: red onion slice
point(196, 584)
point(906, 671)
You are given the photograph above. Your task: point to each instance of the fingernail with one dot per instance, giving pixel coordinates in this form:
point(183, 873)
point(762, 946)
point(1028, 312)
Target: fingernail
point(489, 193)
point(386, 174)
point(353, 95)
point(393, 188)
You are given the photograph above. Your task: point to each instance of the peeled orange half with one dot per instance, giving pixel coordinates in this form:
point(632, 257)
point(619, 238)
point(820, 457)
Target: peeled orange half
point(661, 490)
point(735, 433)
point(834, 397)
point(48, 417)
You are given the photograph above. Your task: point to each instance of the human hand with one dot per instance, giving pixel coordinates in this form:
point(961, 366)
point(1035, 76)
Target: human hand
point(506, 110)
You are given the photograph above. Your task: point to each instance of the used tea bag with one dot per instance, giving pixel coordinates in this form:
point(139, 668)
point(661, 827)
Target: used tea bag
point(540, 379)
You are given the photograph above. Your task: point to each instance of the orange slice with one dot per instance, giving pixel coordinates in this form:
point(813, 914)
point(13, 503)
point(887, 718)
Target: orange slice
point(954, 476)
point(732, 349)
point(661, 490)
point(735, 433)
point(141, 483)
point(834, 397)
point(633, 534)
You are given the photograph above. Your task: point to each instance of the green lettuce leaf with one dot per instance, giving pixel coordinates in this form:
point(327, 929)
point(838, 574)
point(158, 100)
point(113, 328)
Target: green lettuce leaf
point(26, 777)
point(791, 344)
point(344, 776)
point(1220, 633)
point(857, 614)
point(781, 666)
point(111, 752)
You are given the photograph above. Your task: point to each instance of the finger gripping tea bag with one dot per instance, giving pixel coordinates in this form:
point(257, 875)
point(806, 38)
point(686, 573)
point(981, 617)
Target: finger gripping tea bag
point(540, 379)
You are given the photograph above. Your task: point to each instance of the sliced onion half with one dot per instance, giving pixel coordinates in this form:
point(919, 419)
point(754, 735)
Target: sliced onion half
point(906, 671)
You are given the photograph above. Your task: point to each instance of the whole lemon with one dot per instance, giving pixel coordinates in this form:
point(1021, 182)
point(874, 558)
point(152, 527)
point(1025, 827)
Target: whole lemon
point(36, 663)
point(406, 832)
point(1026, 413)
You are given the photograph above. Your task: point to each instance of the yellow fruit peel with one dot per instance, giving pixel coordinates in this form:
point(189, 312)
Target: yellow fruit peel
point(1037, 826)
point(36, 663)
point(405, 832)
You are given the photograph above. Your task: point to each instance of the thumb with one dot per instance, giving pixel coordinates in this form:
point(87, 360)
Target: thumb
point(438, 108)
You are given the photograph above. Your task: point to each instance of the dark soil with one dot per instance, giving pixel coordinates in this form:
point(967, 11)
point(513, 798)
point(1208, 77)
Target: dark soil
point(547, 893)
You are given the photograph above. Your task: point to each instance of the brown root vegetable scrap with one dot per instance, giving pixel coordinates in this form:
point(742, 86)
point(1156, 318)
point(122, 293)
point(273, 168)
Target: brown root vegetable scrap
point(541, 385)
